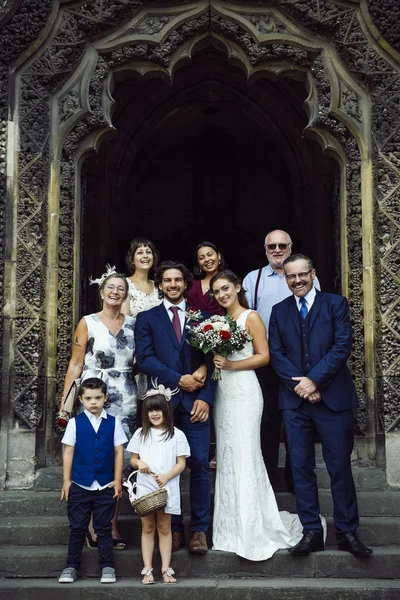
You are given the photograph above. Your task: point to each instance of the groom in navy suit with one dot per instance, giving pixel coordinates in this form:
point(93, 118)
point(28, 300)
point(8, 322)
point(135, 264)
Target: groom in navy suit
point(162, 352)
point(310, 341)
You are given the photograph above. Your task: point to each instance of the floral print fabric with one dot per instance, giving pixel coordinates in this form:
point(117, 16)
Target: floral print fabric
point(110, 357)
point(139, 301)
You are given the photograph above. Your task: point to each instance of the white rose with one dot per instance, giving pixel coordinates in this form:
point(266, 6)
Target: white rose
point(225, 327)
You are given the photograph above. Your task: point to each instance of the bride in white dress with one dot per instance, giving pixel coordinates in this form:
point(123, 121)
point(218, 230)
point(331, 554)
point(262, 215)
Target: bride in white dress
point(246, 516)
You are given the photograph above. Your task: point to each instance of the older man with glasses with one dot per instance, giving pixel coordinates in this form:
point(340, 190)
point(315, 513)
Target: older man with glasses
point(310, 338)
point(264, 288)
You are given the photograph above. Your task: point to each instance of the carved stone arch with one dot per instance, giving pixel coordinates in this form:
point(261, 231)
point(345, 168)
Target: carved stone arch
point(332, 44)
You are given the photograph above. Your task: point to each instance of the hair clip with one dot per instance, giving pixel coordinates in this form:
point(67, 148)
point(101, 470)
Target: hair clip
point(110, 270)
point(160, 389)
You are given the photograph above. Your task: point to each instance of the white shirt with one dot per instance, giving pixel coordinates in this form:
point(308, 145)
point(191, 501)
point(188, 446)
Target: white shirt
point(272, 289)
point(309, 298)
point(69, 439)
point(181, 312)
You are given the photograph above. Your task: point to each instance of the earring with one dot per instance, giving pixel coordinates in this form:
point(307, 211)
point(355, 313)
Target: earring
point(102, 297)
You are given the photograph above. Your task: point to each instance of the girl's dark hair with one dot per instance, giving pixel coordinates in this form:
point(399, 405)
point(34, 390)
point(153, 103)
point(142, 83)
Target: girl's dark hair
point(133, 246)
point(170, 264)
point(233, 278)
point(157, 402)
point(115, 276)
point(199, 273)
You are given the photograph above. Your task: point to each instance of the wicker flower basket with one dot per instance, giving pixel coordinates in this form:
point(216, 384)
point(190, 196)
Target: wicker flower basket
point(149, 503)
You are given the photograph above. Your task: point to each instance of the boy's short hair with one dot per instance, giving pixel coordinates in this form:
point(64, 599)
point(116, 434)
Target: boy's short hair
point(92, 383)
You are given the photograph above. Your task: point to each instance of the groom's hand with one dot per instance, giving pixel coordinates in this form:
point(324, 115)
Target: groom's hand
point(188, 383)
point(199, 412)
point(305, 387)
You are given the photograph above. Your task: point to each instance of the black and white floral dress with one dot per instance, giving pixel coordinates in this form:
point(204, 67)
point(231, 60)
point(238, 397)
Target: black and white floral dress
point(110, 357)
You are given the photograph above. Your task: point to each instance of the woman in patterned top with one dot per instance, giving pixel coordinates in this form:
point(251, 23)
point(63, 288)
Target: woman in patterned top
point(141, 259)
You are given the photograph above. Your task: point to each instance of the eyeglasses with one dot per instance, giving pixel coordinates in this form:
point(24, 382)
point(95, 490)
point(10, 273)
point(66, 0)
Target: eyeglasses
point(271, 247)
point(119, 288)
point(301, 275)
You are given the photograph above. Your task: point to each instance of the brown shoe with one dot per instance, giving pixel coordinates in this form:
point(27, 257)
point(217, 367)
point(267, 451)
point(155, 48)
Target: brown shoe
point(198, 543)
point(178, 540)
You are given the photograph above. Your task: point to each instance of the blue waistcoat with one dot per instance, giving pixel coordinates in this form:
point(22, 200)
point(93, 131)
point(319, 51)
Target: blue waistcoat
point(93, 452)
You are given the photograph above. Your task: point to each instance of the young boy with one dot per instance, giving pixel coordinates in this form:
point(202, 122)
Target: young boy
point(93, 460)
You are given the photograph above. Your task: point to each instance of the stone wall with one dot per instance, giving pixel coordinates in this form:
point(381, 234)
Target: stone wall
point(56, 72)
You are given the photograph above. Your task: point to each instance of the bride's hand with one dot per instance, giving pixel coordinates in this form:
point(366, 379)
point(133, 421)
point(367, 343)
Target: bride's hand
point(221, 362)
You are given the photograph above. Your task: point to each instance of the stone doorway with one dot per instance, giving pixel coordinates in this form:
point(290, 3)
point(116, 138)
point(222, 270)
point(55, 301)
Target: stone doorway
point(209, 156)
point(67, 92)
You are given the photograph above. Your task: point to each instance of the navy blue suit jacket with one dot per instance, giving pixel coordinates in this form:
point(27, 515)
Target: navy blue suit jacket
point(159, 354)
point(330, 343)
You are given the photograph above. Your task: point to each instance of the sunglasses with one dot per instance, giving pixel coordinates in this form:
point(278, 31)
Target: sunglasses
point(273, 246)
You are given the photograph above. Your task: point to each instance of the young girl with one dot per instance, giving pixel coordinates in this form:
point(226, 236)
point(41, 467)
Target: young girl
point(159, 452)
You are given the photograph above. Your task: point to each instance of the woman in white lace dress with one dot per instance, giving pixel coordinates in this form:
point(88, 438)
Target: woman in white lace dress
point(141, 258)
point(246, 516)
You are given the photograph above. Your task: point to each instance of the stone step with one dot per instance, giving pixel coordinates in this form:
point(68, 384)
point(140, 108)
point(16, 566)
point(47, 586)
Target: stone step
point(365, 478)
point(48, 562)
point(384, 503)
point(54, 530)
point(206, 589)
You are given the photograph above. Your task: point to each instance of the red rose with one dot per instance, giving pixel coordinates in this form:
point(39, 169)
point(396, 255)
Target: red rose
point(62, 422)
point(225, 335)
point(207, 327)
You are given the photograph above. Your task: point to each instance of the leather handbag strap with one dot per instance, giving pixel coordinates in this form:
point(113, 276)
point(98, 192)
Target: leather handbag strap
point(256, 289)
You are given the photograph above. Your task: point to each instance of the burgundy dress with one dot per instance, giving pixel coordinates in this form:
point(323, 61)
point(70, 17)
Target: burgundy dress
point(201, 301)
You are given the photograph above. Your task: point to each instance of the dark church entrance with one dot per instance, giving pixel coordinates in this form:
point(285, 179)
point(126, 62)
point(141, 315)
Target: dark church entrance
point(210, 156)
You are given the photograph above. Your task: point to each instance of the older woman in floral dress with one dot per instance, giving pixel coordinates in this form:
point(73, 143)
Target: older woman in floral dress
point(103, 346)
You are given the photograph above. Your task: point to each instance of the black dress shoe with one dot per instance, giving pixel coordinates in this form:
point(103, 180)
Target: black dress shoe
point(310, 542)
point(351, 543)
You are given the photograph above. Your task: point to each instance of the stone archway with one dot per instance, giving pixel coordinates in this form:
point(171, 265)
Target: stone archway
point(219, 149)
point(69, 86)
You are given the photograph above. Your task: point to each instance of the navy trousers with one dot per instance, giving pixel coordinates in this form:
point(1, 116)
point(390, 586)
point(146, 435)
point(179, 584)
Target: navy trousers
point(81, 504)
point(337, 437)
point(198, 436)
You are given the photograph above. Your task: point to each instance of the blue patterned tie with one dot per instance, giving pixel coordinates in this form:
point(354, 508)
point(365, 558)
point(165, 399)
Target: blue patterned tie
point(303, 309)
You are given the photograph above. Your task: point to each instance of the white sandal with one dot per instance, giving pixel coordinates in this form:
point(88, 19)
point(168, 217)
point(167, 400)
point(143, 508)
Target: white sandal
point(149, 573)
point(169, 572)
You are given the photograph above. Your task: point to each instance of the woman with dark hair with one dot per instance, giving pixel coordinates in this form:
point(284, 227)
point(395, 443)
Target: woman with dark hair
point(104, 347)
point(207, 261)
point(141, 259)
point(246, 517)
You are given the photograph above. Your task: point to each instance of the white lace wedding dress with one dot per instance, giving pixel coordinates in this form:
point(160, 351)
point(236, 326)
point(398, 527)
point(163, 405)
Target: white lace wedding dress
point(246, 517)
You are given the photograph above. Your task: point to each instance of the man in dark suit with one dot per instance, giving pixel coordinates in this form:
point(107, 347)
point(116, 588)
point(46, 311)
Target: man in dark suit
point(310, 341)
point(162, 353)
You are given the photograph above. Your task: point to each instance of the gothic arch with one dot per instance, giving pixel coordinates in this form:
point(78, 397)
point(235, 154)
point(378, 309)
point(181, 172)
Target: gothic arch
point(63, 109)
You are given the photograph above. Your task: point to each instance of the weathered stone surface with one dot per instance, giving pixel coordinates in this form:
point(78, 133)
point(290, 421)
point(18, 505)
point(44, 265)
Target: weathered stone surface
point(63, 69)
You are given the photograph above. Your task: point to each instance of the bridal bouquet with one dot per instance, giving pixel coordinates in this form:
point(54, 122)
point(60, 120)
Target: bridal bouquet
point(219, 335)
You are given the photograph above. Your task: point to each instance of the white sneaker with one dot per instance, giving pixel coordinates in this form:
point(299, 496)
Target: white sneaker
point(69, 575)
point(108, 575)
